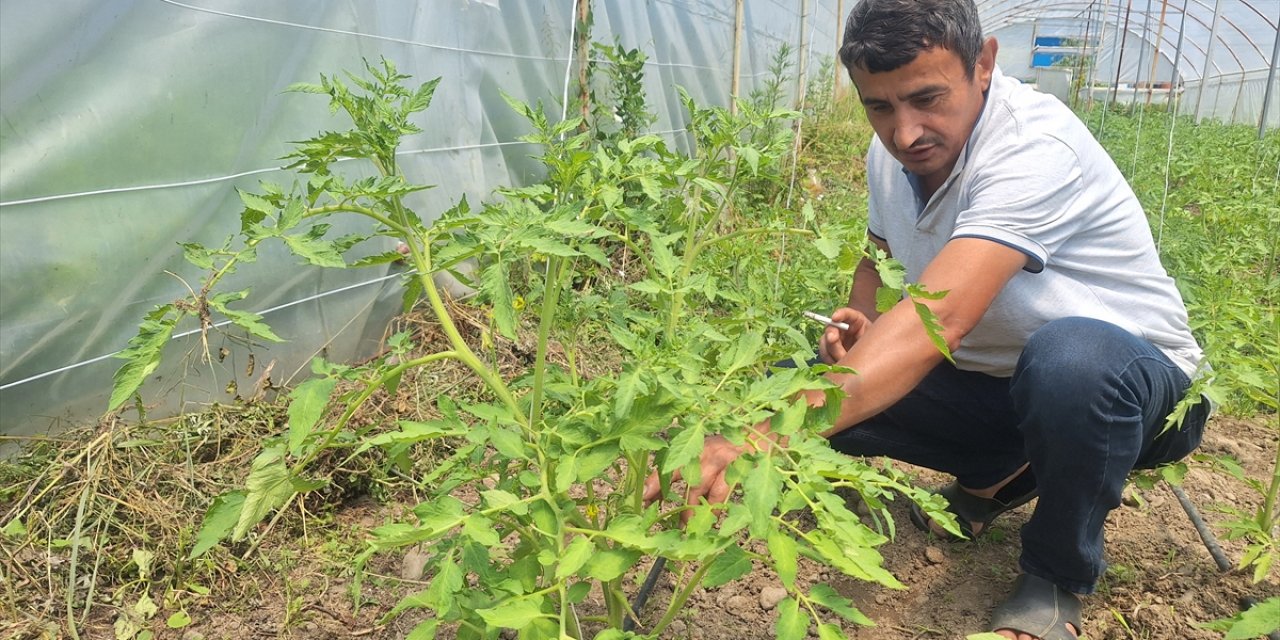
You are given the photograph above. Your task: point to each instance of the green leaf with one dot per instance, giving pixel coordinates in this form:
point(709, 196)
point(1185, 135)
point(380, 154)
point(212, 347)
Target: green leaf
point(15, 529)
point(494, 285)
point(480, 529)
point(793, 623)
point(828, 631)
point(829, 247)
point(575, 555)
point(178, 620)
point(197, 255)
point(247, 320)
point(838, 604)
point(785, 556)
point(313, 248)
point(761, 490)
point(269, 486)
point(730, 565)
point(422, 97)
point(306, 405)
point(650, 188)
point(426, 630)
point(607, 564)
point(255, 202)
point(142, 357)
point(515, 613)
point(629, 386)
point(219, 520)
point(1256, 621)
point(685, 447)
point(508, 443)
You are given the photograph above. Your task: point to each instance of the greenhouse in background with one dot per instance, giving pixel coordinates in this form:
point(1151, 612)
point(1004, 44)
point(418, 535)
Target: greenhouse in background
point(127, 127)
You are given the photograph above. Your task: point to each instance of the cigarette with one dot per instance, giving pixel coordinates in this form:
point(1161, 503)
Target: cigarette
point(825, 320)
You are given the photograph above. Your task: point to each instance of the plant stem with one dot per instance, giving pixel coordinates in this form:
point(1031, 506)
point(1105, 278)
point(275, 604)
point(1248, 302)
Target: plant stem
point(677, 603)
point(550, 300)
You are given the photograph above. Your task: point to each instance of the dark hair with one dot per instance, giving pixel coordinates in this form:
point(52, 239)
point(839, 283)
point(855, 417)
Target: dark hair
point(883, 35)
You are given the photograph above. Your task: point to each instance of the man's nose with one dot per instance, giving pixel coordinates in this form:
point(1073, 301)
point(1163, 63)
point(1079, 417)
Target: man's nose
point(906, 131)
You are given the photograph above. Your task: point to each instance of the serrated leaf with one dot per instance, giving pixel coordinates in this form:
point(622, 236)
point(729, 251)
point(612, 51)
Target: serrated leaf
point(607, 564)
point(686, 446)
point(247, 320)
point(629, 386)
point(793, 623)
point(315, 250)
point(480, 529)
point(306, 405)
point(255, 202)
point(575, 555)
point(730, 565)
point(830, 248)
point(494, 285)
point(1256, 621)
point(887, 298)
point(838, 604)
point(515, 613)
point(268, 487)
point(422, 97)
point(219, 520)
point(933, 328)
point(143, 354)
point(785, 554)
point(828, 631)
point(197, 255)
point(650, 188)
point(761, 490)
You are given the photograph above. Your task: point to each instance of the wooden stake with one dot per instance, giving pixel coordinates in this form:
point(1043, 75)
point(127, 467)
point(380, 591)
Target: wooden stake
point(735, 82)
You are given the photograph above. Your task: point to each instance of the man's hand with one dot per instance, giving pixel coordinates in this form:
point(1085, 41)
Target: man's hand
point(717, 454)
point(836, 342)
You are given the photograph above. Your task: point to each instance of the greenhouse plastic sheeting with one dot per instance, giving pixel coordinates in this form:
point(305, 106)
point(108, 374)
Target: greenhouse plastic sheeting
point(126, 127)
point(1223, 50)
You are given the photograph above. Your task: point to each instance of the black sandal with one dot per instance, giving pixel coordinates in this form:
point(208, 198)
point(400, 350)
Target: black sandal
point(970, 509)
point(1039, 608)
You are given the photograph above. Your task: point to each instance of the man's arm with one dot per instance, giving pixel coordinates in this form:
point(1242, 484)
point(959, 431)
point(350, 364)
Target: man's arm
point(891, 356)
point(894, 354)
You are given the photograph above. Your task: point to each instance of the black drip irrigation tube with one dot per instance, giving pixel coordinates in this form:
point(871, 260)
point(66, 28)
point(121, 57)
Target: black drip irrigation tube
point(1215, 550)
point(642, 596)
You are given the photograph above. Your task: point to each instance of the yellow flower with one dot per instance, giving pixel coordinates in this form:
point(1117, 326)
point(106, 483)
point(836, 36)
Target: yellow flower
point(518, 303)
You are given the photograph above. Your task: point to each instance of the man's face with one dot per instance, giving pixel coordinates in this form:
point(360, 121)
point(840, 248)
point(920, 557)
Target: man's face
point(924, 111)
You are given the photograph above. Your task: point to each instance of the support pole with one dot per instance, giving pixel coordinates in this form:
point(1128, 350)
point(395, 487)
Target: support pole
point(1142, 54)
point(835, 84)
point(803, 52)
point(1115, 85)
point(582, 48)
point(1155, 56)
point(735, 85)
point(1271, 82)
point(1208, 56)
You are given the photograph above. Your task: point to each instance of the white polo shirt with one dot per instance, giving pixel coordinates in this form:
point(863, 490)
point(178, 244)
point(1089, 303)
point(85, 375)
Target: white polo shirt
point(1032, 177)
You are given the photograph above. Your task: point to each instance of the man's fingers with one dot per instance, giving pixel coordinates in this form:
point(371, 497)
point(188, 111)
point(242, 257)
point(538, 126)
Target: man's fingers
point(653, 486)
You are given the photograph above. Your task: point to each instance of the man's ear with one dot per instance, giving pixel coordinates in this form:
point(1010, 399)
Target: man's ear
point(987, 62)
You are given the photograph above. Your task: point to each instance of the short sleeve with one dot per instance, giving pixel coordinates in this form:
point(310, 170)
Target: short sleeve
point(1021, 196)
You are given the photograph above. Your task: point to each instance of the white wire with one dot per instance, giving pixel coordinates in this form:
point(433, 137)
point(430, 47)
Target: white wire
point(568, 67)
point(223, 323)
point(189, 183)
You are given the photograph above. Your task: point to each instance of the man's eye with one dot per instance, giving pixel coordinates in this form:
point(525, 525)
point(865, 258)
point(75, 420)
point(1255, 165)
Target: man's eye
point(880, 108)
point(926, 101)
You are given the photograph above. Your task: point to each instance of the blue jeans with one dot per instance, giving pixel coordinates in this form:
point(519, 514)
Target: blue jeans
point(1085, 406)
